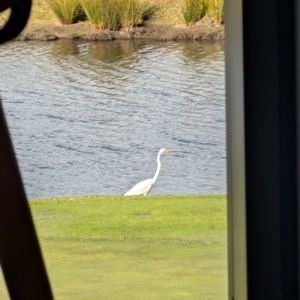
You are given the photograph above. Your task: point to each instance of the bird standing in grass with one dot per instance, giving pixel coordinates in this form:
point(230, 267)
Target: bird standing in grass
point(144, 187)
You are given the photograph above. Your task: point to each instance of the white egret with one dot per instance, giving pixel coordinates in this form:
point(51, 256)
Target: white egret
point(143, 187)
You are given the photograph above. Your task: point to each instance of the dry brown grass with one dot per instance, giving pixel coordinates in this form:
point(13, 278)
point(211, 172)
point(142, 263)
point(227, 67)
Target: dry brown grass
point(4, 15)
point(167, 12)
point(41, 13)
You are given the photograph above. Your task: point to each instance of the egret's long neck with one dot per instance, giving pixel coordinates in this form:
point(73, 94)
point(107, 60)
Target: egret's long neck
point(158, 168)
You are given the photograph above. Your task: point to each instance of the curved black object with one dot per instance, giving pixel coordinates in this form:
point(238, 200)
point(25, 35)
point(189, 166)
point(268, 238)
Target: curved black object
point(20, 254)
point(20, 12)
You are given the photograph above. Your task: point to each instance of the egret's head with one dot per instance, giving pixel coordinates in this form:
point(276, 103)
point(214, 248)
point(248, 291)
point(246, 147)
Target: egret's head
point(168, 150)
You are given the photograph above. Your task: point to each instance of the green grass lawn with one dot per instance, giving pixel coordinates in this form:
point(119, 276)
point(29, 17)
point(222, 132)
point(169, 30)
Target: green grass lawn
point(115, 247)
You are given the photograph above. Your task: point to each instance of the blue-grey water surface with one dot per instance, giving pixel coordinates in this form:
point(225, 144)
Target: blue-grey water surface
point(89, 118)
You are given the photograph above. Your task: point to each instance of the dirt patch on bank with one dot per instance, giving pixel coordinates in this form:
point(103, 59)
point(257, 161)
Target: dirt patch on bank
point(83, 31)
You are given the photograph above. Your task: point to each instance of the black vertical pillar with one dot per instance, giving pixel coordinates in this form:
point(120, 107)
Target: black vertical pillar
point(263, 142)
point(269, 43)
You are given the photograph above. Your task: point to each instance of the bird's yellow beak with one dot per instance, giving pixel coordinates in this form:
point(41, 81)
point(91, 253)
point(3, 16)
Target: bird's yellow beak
point(168, 150)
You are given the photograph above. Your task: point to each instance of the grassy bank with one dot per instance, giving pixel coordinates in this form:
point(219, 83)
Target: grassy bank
point(167, 12)
point(154, 247)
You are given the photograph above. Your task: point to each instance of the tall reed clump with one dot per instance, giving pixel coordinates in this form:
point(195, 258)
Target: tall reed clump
point(67, 11)
point(102, 14)
point(216, 10)
point(114, 14)
point(134, 12)
point(194, 10)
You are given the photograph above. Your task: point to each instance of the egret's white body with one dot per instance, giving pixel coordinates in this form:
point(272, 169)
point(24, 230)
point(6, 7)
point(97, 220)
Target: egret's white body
point(143, 187)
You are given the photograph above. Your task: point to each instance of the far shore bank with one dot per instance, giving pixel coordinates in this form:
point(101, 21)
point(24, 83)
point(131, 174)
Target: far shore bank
point(83, 31)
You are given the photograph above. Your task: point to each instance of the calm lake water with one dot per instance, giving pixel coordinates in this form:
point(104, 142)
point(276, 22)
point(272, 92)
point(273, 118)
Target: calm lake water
point(89, 118)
